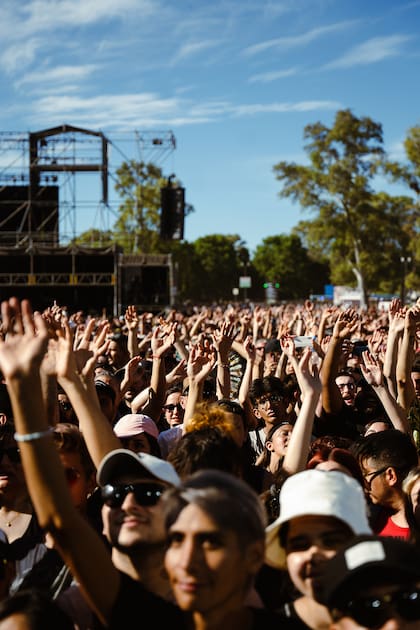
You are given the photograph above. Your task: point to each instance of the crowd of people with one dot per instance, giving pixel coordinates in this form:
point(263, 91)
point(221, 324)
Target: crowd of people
point(214, 468)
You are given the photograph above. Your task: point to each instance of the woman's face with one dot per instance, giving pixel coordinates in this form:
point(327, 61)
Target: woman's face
point(311, 540)
point(280, 440)
point(208, 568)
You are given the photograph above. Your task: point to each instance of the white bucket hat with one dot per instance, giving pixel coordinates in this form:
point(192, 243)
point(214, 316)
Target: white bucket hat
point(317, 492)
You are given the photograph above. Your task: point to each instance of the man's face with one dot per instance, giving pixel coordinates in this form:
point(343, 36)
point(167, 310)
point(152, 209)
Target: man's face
point(311, 541)
point(376, 484)
point(347, 388)
point(271, 408)
point(132, 524)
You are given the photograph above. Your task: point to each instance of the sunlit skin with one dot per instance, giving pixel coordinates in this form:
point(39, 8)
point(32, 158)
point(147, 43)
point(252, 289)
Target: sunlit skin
point(376, 427)
point(133, 524)
point(347, 388)
point(270, 411)
point(376, 488)
point(17, 621)
point(138, 382)
point(209, 570)
point(394, 623)
point(175, 416)
point(280, 440)
point(311, 541)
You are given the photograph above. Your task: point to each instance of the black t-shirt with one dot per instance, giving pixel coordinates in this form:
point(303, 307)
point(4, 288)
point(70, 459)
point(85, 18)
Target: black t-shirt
point(134, 602)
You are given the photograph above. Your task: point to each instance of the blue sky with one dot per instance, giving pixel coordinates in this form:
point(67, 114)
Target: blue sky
point(236, 81)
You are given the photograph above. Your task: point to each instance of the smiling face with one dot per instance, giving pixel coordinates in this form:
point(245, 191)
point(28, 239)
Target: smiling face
point(208, 568)
point(132, 524)
point(310, 541)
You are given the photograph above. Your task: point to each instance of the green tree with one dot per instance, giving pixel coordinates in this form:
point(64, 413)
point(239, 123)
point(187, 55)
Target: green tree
point(283, 259)
point(218, 265)
point(137, 227)
point(337, 186)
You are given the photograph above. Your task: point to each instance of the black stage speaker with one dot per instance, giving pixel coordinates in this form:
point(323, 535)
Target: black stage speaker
point(172, 201)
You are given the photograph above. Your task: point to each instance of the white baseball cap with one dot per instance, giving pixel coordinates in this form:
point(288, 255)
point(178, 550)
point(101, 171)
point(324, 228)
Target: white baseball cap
point(317, 492)
point(123, 461)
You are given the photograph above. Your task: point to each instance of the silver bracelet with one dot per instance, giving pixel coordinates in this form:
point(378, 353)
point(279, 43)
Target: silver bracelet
point(30, 437)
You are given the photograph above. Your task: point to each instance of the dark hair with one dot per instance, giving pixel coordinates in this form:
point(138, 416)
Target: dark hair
point(232, 407)
point(387, 448)
point(343, 457)
point(266, 385)
point(39, 609)
point(229, 501)
point(207, 447)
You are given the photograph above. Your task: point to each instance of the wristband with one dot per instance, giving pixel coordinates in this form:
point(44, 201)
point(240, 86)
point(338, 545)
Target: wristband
point(31, 437)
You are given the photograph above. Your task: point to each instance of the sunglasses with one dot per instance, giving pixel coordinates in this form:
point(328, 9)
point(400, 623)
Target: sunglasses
point(147, 495)
point(172, 407)
point(72, 475)
point(373, 612)
point(13, 453)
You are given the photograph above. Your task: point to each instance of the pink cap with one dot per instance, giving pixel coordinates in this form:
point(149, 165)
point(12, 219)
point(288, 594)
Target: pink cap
point(134, 423)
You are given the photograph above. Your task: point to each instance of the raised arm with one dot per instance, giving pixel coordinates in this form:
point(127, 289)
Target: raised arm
point(21, 354)
point(372, 372)
point(310, 385)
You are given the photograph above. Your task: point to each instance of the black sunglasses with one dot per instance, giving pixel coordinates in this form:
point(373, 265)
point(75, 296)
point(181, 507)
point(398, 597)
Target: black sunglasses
point(13, 453)
point(373, 612)
point(145, 494)
point(171, 407)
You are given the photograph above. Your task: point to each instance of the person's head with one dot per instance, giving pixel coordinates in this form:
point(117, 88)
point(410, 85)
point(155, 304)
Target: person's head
point(380, 424)
point(138, 433)
point(236, 415)
point(174, 406)
point(337, 459)
point(32, 609)
point(78, 466)
point(108, 399)
point(206, 446)
point(319, 511)
point(346, 383)
point(277, 440)
point(131, 486)
point(372, 582)
point(216, 534)
point(117, 352)
point(65, 408)
point(385, 459)
point(268, 399)
point(415, 376)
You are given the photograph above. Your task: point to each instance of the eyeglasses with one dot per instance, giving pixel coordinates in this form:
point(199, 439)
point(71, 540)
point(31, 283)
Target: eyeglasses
point(272, 398)
point(374, 611)
point(346, 386)
point(13, 453)
point(144, 494)
point(172, 407)
point(72, 475)
point(372, 475)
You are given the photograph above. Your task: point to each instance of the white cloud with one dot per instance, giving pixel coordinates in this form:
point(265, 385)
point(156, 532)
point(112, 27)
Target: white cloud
point(194, 48)
point(297, 40)
point(268, 77)
point(59, 74)
point(371, 51)
point(277, 108)
point(19, 56)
